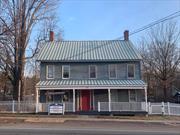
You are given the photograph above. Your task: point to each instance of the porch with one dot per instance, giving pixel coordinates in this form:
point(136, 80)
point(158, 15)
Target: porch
point(95, 98)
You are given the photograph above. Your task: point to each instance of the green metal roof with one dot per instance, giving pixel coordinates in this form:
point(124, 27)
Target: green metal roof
point(89, 83)
point(105, 50)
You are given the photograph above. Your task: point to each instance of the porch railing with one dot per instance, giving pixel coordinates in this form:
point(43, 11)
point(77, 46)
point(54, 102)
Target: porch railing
point(121, 106)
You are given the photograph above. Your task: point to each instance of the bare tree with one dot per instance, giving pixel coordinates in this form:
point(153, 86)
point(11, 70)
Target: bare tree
point(32, 75)
point(161, 56)
point(18, 20)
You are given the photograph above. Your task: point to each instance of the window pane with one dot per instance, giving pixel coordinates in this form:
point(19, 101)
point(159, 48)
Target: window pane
point(66, 70)
point(50, 71)
point(132, 96)
point(92, 71)
point(131, 71)
point(112, 71)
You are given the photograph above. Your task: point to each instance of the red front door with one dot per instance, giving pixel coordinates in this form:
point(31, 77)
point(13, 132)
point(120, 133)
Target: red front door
point(85, 100)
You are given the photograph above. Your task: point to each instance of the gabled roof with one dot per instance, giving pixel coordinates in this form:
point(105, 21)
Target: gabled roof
point(87, 51)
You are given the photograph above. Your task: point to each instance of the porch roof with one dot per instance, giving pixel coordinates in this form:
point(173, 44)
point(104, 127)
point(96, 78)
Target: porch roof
point(91, 84)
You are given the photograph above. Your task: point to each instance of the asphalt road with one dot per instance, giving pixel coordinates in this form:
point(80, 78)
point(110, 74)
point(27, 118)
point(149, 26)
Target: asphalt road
point(90, 128)
point(36, 131)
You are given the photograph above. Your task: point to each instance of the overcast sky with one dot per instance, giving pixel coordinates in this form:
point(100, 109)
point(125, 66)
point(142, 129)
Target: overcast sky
point(107, 19)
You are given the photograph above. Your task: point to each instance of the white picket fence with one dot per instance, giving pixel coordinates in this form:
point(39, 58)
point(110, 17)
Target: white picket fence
point(17, 107)
point(43, 107)
point(28, 107)
point(153, 108)
point(163, 108)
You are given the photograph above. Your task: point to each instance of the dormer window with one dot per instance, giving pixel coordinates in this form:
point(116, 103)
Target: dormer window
point(49, 71)
point(92, 71)
point(112, 71)
point(65, 71)
point(131, 71)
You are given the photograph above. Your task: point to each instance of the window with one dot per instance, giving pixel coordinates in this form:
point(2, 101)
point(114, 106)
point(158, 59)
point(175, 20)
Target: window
point(131, 71)
point(50, 72)
point(132, 96)
point(92, 71)
point(112, 71)
point(65, 72)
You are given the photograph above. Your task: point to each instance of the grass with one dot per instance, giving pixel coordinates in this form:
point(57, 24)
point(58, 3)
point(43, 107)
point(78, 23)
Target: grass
point(152, 117)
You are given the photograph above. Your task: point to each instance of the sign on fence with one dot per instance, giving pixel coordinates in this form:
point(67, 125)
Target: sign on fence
point(56, 108)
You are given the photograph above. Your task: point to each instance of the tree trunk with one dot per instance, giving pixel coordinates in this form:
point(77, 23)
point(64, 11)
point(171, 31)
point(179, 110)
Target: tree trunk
point(4, 93)
point(15, 89)
point(165, 91)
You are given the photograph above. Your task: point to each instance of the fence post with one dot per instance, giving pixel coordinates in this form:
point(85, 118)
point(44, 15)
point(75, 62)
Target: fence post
point(99, 107)
point(149, 108)
point(168, 106)
point(37, 107)
point(162, 107)
point(13, 106)
point(63, 108)
point(48, 108)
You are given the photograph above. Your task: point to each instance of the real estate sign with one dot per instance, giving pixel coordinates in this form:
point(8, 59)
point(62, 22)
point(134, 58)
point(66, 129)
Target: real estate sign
point(56, 108)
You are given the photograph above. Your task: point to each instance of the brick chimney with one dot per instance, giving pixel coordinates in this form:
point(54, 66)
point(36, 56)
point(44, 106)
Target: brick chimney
point(51, 36)
point(126, 35)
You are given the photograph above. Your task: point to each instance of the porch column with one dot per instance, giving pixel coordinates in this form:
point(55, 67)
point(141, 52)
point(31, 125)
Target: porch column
point(74, 100)
point(37, 100)
point(93, 100)
point(145, 92)
point(109, 99)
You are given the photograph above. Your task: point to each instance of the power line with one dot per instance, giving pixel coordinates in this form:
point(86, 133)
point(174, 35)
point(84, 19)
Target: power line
point(171, 16)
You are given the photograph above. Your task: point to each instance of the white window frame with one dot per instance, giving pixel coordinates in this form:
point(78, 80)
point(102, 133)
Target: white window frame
point(129, 93)
point(47, 71)
point(63, 71)
point(115, 71)
point(95, 72)
point(128, 71)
